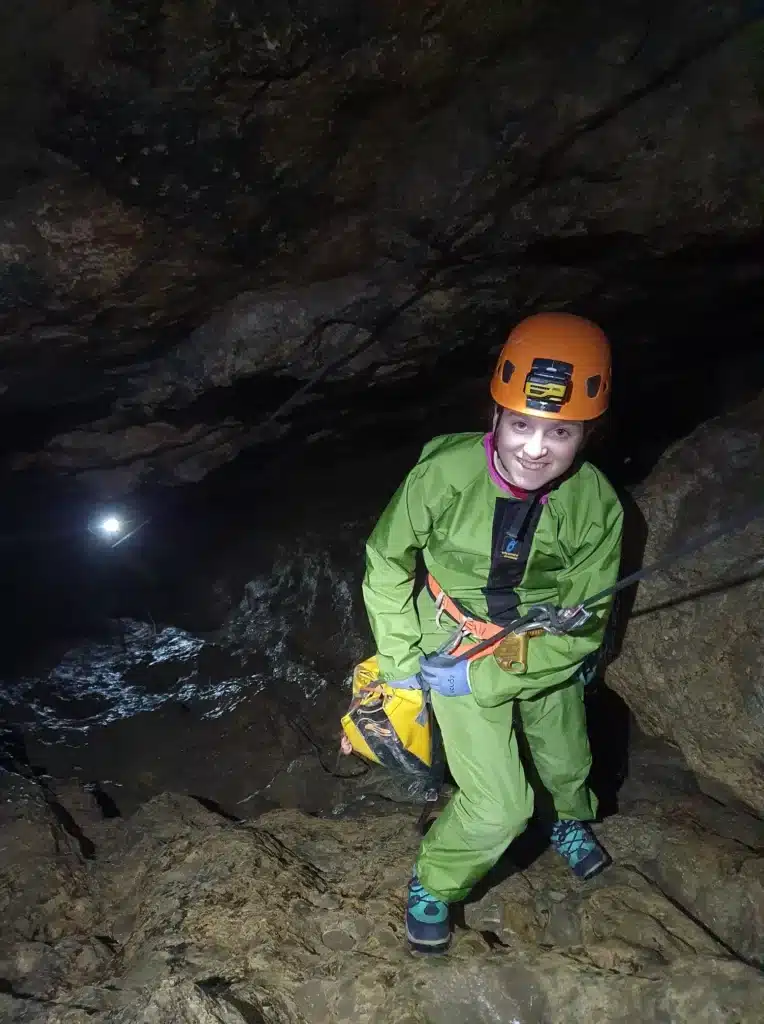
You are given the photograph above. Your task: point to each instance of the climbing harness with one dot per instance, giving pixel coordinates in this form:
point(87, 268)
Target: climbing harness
point(509, 649)
point(514, 526)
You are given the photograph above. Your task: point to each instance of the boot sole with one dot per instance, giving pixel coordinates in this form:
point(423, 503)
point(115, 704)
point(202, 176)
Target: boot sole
point(420, 948)
point(417, 949)
point(597, 869)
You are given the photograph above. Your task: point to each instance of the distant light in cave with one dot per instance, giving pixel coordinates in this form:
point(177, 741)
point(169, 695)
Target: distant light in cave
point(114, 529)
point(111, 526)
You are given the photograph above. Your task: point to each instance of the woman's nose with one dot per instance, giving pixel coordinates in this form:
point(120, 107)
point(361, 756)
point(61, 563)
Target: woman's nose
point(534, 446)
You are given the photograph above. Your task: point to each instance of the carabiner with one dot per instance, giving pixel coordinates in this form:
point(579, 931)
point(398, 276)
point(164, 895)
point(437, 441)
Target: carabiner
point(453, 641)
point(439, 602)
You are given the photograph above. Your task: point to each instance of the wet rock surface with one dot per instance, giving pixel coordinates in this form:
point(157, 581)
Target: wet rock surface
point(183, 915)
point(692, 667)
point(220, 705)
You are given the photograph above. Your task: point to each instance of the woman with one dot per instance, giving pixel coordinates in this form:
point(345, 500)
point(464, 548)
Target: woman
point(503, 521)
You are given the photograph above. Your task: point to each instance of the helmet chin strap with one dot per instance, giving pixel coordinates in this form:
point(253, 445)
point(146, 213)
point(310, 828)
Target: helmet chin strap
point(501, 469)
point(499, 466)
point(504, 473)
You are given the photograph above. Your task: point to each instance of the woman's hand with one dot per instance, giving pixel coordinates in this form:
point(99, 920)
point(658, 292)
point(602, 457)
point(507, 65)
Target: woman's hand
point(444, 675)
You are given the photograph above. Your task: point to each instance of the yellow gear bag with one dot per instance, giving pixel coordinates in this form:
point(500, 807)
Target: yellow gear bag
point(388, 726)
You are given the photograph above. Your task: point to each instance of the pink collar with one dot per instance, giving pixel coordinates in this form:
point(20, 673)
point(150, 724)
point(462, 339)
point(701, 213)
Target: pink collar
point(505, 485)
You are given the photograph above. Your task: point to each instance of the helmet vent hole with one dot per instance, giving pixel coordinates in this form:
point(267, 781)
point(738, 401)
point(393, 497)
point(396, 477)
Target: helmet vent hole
point(593, 385)
point(506, 371)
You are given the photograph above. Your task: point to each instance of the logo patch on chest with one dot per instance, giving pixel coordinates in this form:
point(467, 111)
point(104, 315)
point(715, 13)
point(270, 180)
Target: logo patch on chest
point(510, 548)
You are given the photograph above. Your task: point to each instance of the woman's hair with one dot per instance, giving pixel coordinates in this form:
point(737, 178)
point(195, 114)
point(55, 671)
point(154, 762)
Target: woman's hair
point(595, 431)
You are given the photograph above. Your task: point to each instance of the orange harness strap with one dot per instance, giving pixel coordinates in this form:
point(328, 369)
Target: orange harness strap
point(480, 629)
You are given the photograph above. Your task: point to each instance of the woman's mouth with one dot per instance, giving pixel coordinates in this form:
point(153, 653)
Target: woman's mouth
point(532, 467)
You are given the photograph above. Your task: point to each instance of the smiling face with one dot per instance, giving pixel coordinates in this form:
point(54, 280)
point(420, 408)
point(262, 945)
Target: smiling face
point(531, 451)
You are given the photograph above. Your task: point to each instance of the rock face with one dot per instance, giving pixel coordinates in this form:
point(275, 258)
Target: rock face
point(229, 194)
point(692, 670)
point(180, 915)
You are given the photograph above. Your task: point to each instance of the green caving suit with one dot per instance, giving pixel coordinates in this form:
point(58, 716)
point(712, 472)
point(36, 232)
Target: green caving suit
point(445, 508)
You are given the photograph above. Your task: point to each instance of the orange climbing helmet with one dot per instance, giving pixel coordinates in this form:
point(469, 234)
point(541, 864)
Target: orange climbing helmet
point(554, 365)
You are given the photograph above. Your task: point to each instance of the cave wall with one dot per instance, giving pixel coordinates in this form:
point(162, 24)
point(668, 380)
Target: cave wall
point(196, 195)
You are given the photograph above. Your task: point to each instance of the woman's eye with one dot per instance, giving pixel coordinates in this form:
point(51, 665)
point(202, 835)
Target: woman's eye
point(561, 433)
point(519, 425)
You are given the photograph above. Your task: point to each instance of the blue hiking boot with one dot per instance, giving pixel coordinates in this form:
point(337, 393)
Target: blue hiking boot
point(575, 843)
point(428, 923)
